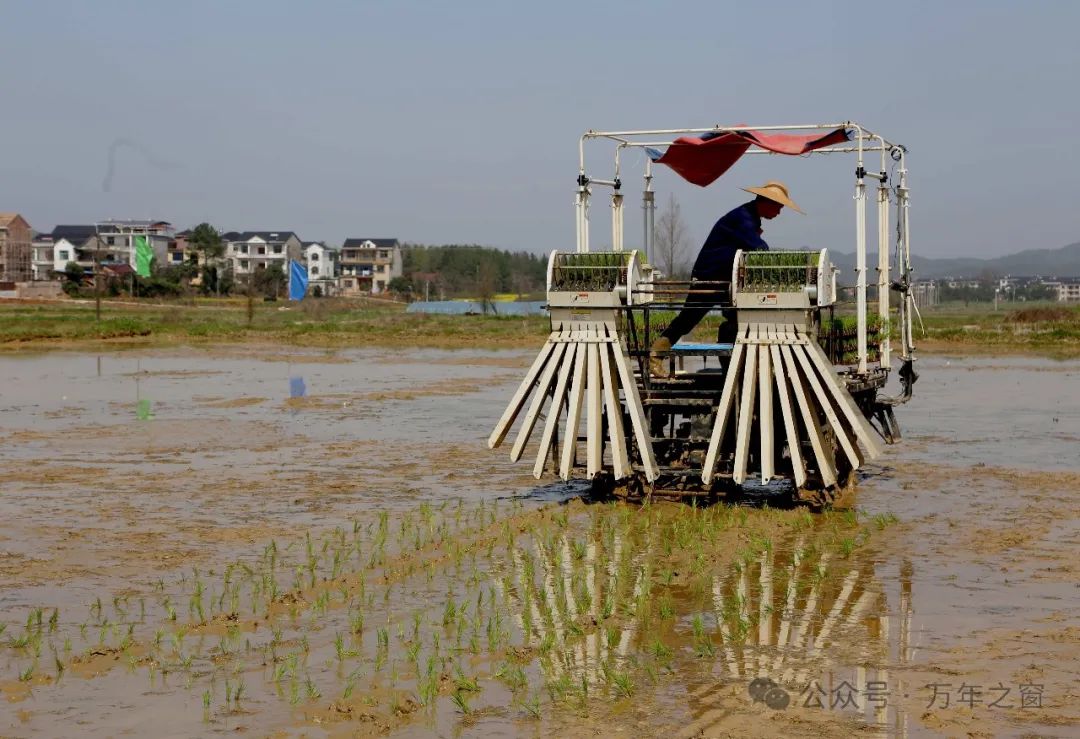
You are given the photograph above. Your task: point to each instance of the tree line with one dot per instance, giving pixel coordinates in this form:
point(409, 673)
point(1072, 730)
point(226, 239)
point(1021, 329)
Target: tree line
point(467, 270)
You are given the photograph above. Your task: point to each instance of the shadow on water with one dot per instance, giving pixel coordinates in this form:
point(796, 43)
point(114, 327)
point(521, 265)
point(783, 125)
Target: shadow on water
point(557, 491)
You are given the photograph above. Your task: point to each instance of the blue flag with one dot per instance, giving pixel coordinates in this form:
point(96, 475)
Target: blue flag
point(297, 280)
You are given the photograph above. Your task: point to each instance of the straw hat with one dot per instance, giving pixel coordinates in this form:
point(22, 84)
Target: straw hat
point(775, 191)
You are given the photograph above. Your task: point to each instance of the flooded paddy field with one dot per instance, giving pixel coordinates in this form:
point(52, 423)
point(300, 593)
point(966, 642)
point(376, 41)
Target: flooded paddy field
point(318, 543)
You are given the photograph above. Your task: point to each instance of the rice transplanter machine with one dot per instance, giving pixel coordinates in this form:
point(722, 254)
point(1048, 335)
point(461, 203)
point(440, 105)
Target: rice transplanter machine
point(799, 395)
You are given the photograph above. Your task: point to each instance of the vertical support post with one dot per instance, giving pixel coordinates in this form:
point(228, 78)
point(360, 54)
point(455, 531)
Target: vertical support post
point(585, 217)
point(903, 204)
point(883, 274)
point(860, 257)
point(616, 221)
point(648, 206)
point(594, 403)
point(581, 206)
point(581, 202)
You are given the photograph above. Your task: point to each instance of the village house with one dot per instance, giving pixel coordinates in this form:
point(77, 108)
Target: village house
point(15, 248)
point(179, 250)
point(77, 243)
point(925, 293)
point(368, 265)
point(116, 237)
point(42, 257)
point(954, 283)
point(249, 251)
point(1068, 289)
point(322, 267)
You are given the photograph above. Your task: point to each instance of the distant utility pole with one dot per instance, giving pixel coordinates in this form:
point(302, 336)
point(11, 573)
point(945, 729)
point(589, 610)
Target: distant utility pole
point(250, 297)
point(97, 273)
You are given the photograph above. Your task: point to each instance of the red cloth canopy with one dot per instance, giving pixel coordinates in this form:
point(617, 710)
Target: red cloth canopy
point(702, 159)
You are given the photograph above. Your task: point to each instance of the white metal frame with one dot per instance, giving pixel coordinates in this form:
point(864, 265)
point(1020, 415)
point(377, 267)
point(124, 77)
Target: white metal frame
point(865, 142)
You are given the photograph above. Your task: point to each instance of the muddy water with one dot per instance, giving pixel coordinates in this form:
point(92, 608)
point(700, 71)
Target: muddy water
point(138, 480)
point(195, 450)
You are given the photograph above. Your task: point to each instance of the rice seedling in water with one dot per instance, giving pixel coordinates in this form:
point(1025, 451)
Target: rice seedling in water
point(532, 707)
point(462, 682)
point(547, 643)
point(428, 688)
point(461, 700)
point(559, 688)
point(703, 645)
point(513, 676)
point(382, 648)
point(883, 520)
point(620, 682)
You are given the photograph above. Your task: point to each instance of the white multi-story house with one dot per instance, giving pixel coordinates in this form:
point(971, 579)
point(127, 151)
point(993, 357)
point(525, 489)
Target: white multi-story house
point(322, 267)
point(1068, 289)
point(75, 243)
point(116, 239)
point(925, 293)
point(42, 260)
point(250, 251)
point(368, 265)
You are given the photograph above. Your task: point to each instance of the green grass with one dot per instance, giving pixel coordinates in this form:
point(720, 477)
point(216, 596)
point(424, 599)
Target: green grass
point(314, 322)
point(1013, 327)
point(333, 323)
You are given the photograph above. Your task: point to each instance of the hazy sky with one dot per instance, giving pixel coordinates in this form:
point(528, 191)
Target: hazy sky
point(457, 122)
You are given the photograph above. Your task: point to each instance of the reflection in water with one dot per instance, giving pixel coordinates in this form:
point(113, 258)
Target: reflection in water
point(143, 406)
point(823, 633)
point(559, 586)
point(143, 410)
point(297, 389)
point(805, 612)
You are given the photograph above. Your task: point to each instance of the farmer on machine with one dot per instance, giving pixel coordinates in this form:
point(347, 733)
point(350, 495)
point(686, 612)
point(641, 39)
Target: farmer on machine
point(739, 229)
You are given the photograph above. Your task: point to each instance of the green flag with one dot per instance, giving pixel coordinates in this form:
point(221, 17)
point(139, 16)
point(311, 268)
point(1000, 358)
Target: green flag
point(143, 255)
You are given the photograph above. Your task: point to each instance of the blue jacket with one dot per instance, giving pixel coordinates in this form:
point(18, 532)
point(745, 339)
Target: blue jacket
point(739, 229)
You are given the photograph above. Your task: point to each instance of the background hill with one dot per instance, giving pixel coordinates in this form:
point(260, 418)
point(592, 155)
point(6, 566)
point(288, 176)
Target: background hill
point(1063, 262)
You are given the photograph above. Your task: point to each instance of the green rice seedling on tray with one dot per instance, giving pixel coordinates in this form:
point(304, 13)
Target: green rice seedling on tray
point(780, 271)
